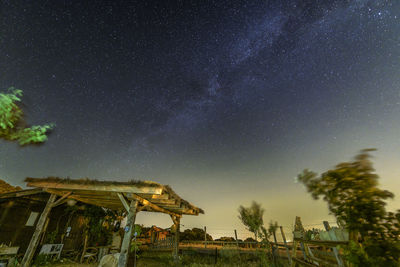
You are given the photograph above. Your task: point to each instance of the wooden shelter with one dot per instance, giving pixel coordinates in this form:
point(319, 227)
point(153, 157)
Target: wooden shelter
point(133, 196)
point(20, 211)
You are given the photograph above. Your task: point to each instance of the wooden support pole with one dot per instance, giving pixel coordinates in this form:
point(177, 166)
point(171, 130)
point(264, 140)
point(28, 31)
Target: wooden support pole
point(177, 221)
point(30, 251)
point(129, 228)
point(287, 248)
point(335, 250)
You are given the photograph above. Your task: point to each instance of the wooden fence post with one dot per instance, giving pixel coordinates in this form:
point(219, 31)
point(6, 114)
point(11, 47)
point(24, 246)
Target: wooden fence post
point(237, 242)
point(275, 248)
point(30, 251)
point(284, 241)
point(205, 237)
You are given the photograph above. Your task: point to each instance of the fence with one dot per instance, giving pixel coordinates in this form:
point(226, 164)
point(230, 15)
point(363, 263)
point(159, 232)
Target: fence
point(320, 250)
point(164, 243)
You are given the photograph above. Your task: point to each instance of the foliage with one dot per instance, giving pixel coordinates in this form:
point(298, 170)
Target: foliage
point(51, 237)
point(226, 239)
point(99, 223)
point(273, 226)
point(312, 234)
point(41, 260)
point(250, 239)
point(194, 234)
point(12, 125)
point(135, 245)
point(252, 218)
point(352, 193)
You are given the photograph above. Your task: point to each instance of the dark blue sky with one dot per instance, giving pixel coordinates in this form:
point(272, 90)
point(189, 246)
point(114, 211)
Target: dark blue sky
point(226, 101)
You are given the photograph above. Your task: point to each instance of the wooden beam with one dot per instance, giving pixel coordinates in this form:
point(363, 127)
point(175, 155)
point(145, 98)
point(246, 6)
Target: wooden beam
point(110, 205)
point(145, 202)
point(59, 201)
point(98, 187)
point(30, 251)
point(21, 193)
point(126, 242)
point(322, 242)
point(124, 202)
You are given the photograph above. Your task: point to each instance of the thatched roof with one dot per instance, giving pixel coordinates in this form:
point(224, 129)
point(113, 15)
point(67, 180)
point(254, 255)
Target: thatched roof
point(87, 181)
point(6, 187)
point(151, 195)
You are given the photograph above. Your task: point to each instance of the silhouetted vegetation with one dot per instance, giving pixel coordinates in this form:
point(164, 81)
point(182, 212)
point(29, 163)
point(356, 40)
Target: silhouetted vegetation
point(195, 234)
point(12, 124)
point(252, 218)
point(353, 196)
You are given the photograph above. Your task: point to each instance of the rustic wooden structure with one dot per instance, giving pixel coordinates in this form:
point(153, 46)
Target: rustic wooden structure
point(19, 215)
point(133, 197)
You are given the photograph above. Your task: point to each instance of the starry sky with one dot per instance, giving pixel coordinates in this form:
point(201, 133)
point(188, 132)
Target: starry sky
point(226, 101)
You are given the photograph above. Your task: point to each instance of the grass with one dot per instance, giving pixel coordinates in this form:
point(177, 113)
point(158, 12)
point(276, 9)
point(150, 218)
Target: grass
point(226, 257)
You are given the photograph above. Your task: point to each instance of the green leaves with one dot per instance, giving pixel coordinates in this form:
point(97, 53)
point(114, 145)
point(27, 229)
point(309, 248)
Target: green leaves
point(12, 125)
point(353, 196)
point(252, 218)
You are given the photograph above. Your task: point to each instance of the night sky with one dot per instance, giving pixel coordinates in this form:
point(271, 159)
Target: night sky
point(226, 101)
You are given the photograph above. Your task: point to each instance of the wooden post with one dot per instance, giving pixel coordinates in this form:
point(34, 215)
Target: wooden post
point(205, 237)
point(294, 253)
point(175, 250)
point(126, 242)
point(237, 242)
point(30, 251)
point(287, 248)
point(335, 250)
point(275, 248)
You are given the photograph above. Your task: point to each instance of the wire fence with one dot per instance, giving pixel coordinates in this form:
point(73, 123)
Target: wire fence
point(243, 234)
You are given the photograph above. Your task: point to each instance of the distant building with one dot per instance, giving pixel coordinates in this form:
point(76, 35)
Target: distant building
point(155, 234)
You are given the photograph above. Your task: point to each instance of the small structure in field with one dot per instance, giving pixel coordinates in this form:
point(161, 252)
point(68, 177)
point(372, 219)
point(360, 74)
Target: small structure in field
point(132, 197)
point(155, 234)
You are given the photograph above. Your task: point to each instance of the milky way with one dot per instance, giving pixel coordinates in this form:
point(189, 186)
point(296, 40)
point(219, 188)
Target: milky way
point(201, 94)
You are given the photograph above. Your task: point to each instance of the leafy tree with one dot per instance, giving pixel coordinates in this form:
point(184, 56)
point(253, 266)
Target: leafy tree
point(352, 193)
point(194, 234)
point(252, 218)
point(12, 126)
point(272, 228)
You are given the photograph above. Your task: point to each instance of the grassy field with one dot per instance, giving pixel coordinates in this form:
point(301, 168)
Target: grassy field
point(226, 258)
point(191, 258)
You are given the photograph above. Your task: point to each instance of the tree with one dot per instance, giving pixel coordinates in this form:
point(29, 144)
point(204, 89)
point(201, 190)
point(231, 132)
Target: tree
point(12, 124)
point(272, 228)
point(252, 218)
point(352, 193)
point(194, 234)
